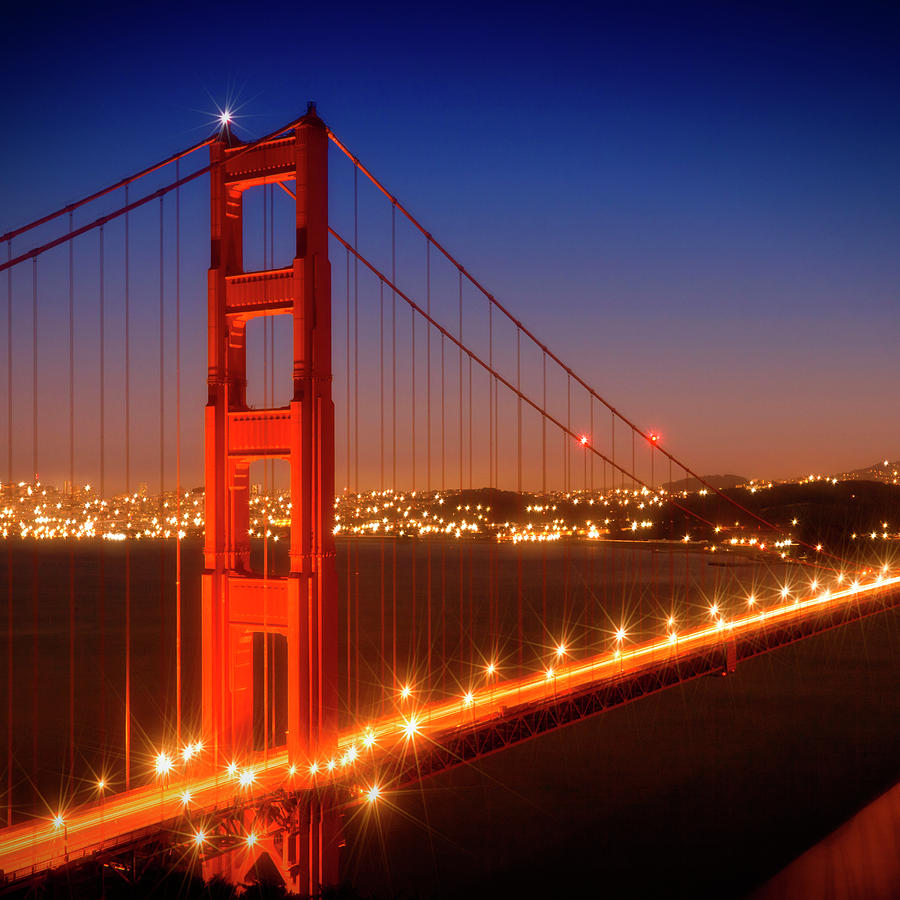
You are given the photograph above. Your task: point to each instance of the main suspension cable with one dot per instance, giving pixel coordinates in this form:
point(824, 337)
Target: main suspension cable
point(124, 182)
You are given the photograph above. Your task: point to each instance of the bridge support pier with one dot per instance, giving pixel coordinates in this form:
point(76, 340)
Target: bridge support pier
point(299, 850)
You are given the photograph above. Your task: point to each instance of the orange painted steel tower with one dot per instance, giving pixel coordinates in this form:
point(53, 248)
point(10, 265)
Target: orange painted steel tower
point(237, 602)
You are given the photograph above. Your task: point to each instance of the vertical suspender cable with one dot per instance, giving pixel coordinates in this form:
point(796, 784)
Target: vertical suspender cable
point(428, 367)
point(591, 598)
point(162, 446)
point(34, 559)
point(470, 425)
point(412, 408)
point(347, 368)
point(267, 403)
point(567, 470)
point(129, 504)
point(519, 489)
point(394, 346)
point(428, 447)
point(347, 590)
point(459, 550)
point(34, 369)
point(383, 648)
point(177, 457)
point(9, 560)
point(460, 385)
point(70, 493)
point(394, 437)
point(490, 395)
point(356, 417)
point(492, 584)
point(269, 645)
point(101, 600)
point(443, 489)
point(567, 441)
point(544, 429)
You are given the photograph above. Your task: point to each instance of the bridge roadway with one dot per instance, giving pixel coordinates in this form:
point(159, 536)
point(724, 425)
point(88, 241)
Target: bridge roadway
point(416, 742)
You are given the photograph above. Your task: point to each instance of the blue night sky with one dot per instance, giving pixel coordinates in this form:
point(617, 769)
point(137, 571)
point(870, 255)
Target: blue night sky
point(696, 205)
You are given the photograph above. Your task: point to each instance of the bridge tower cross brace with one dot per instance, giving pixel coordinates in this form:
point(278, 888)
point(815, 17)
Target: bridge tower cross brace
point(237, 602)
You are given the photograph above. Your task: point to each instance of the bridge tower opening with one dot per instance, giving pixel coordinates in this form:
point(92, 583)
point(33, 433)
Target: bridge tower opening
point(237, 603)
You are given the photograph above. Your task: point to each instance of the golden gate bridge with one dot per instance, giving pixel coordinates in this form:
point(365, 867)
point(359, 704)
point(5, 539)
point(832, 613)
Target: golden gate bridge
point(320, 690)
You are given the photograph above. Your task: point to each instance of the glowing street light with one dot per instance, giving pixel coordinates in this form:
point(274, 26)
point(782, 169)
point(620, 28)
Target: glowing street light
point(411, 727)
point(163, 764)
point(373, 793)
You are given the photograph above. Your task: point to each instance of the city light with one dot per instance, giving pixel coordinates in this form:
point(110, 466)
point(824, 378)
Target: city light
point(163, 764)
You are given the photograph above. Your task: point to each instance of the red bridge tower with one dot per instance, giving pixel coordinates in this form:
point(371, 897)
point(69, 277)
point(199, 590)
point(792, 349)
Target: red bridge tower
point(237, 602)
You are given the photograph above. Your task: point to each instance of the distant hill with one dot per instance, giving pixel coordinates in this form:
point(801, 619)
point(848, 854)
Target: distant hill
point(836, 515)
point(884, 470)
point(722, 482)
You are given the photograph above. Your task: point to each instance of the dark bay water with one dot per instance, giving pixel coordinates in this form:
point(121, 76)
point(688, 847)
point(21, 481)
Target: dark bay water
point(703, 790)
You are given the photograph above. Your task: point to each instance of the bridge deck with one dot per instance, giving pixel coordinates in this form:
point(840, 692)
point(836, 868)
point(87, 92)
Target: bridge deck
point(410, 745)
